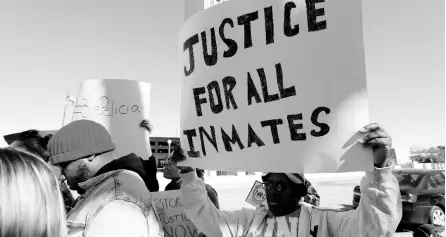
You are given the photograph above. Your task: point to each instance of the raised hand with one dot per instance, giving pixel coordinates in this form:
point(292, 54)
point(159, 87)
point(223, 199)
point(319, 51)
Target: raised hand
point(145, 123)
point(379, 140)
point(178, 156)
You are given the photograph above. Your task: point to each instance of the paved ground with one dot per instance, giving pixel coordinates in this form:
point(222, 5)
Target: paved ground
point(336, 192)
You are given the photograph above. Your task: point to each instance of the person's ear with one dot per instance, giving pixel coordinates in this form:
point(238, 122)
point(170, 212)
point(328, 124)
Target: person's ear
point(91, 158)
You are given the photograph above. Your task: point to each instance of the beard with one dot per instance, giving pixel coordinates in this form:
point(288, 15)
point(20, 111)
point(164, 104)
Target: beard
point(82, 174)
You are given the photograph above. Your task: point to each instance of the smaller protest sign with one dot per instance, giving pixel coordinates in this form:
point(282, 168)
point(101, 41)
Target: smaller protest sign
point(257, 195)
point(174, 220)
point(119, 106)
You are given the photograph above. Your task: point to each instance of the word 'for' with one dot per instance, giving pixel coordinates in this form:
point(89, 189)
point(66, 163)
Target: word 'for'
point(228, 83)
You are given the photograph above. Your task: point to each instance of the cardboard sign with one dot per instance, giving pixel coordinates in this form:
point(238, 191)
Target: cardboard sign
point(120, 106)
point(174, 220)
point(276, 86)
point(257, 195)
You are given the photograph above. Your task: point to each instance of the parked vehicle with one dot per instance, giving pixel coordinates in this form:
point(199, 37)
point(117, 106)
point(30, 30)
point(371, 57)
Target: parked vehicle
point(429, 230)
point(422, 196)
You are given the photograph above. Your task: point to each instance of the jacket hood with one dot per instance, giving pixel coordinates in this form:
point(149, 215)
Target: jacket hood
point(129, 162)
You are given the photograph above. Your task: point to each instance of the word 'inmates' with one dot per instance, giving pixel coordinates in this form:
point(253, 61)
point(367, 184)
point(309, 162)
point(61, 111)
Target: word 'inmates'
point(292, 121)
point(245, 21)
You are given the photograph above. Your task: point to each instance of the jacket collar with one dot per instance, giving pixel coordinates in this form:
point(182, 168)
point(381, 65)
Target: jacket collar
point(88, 184)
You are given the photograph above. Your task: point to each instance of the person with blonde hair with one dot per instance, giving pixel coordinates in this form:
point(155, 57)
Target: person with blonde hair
point(31, 203)
point(36, 143)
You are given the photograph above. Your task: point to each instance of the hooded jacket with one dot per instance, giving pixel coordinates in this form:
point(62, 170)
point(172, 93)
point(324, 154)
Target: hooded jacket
point(378, 214)
point(134, 163)
point(116, 202)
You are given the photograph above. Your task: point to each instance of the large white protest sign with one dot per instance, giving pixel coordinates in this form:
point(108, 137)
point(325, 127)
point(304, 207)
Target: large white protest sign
point(174, 220)
point(120, 106)
point(274, 86)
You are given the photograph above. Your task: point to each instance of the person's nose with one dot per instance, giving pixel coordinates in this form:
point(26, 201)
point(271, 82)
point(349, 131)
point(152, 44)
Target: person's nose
point(62, 178)
point(273, 191)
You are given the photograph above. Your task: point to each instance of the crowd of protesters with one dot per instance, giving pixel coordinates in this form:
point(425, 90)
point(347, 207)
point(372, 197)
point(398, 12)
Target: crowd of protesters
point(115, 192)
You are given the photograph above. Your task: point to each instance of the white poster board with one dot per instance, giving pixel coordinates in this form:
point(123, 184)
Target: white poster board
point(174, 220)
point(276, 86)
point(120, 106)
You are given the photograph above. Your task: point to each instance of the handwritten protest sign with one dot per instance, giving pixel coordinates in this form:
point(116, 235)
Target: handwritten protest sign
point(275, 86)
point(257, 195)
point(174, 220)
point(120, 106)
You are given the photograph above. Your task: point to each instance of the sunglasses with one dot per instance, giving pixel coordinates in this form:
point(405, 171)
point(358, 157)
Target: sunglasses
point(64, 165)
point(280, 187)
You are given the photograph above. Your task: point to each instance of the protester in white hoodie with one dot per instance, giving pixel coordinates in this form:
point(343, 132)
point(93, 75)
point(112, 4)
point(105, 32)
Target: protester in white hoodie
point(378, 214)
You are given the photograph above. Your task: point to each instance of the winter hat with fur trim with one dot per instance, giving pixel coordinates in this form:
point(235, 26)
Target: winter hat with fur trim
point(79, 139)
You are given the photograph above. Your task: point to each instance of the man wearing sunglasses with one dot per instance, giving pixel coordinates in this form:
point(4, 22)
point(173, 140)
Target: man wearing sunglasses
point(281, 191)
point(114, 199)
point(378, 214)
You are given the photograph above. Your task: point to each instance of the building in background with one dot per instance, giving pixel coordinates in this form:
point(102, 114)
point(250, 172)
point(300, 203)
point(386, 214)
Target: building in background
point(194, 6)
point(160, 148)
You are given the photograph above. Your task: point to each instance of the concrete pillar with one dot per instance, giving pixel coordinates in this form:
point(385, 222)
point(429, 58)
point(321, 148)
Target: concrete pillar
point(211, 173)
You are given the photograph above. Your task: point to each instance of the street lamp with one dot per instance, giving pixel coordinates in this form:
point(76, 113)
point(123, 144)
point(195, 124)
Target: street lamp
point(169, 142)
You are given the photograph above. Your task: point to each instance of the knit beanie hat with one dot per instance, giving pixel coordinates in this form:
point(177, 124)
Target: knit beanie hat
point(79, 139)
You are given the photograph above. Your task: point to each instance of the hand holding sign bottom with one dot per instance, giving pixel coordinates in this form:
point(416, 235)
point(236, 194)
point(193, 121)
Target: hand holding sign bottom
point(178, 156)
point(381, 142)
